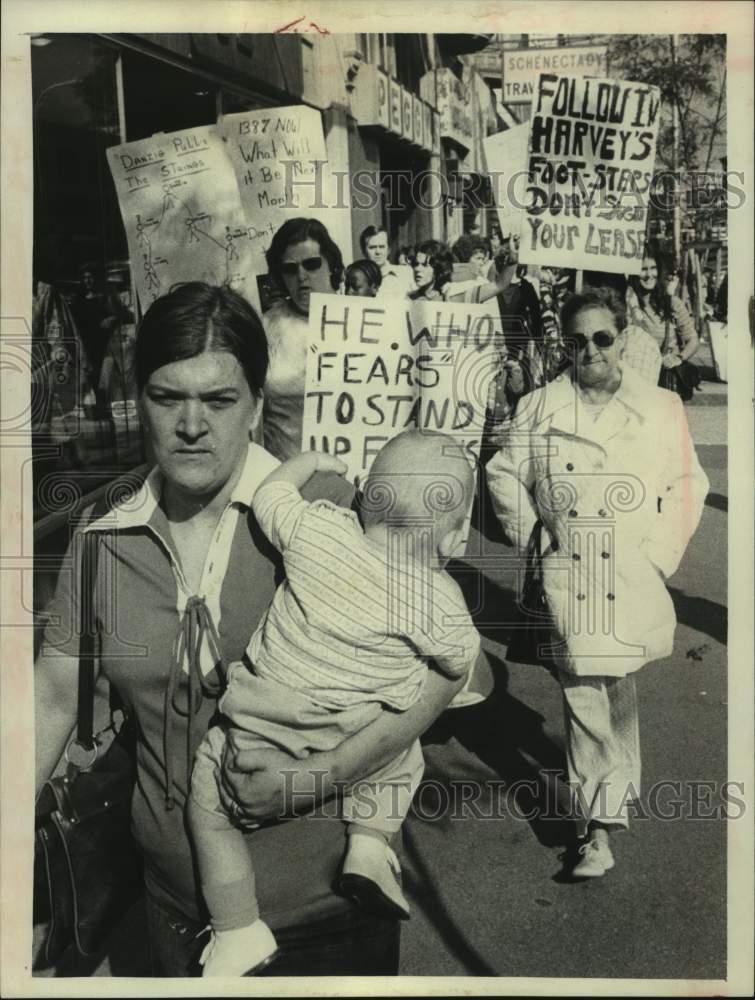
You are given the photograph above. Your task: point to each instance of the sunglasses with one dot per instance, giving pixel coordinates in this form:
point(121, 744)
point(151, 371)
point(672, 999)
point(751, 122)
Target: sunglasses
point(601, 339)
point(291, 267)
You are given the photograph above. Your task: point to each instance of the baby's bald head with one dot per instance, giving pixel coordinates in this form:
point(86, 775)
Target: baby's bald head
point(419, 475)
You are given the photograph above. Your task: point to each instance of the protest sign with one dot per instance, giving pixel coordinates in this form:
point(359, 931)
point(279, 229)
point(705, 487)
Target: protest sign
point(506, 156)
point(590, 164)
point(181, 212)
point(277, 155)
point(378, 367)
point(282, 170)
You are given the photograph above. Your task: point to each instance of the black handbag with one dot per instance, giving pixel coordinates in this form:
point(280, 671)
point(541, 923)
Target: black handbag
point(683, 379)
point(86, 864)
point(533, 638)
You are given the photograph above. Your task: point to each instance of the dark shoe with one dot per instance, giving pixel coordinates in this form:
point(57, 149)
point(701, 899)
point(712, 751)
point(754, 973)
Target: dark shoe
point(369, 877)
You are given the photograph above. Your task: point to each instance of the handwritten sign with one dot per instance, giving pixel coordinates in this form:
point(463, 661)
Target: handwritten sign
point(378, 367)
point(591, 155)
point(182, 214)
point(278, 156)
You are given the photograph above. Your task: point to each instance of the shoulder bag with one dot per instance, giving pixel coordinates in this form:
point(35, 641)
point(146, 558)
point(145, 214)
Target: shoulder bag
point(86, 864)
point(683, 378)
point(533, 638)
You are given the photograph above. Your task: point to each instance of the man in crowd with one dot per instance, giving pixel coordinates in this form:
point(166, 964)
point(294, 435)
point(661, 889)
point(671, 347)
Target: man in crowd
point(397, 280)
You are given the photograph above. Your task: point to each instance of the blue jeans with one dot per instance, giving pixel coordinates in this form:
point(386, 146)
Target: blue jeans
point(350, 943)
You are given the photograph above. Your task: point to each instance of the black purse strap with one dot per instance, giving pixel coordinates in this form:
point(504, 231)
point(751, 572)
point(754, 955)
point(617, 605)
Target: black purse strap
point(87, 640)
point(534, 554)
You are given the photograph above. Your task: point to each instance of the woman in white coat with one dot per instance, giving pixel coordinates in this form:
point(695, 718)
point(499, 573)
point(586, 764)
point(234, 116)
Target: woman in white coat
point(606, 462)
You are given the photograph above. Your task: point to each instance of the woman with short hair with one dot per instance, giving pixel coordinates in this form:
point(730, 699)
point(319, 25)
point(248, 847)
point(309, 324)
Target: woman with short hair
point(603, 464)
point(195, 575)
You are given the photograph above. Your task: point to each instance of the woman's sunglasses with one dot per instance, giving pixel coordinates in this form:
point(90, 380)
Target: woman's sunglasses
point(601, 338)
point(291, 267)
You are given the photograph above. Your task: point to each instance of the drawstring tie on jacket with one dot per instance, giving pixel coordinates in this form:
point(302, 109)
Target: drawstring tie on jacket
point(195, 627)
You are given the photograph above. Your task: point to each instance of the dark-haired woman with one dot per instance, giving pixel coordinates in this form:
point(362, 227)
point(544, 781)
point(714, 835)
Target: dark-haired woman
point(433, 266)
point(302, 260)
point(602, 463)
point(194, 577)
point(652, 305)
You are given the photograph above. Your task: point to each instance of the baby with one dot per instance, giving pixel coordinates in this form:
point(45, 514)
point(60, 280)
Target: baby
point(349, 631)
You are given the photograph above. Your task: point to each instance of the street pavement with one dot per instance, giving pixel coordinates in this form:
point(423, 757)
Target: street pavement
point(488, 888)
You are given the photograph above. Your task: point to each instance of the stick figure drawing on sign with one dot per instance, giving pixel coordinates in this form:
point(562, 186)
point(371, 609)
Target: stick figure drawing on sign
point(231, 253)
point(168, 200)
point(191, 225)
point(153, 282)
point(140, 234)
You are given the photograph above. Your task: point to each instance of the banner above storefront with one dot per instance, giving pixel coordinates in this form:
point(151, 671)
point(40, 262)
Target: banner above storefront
point(381, 101)
point(522, 67)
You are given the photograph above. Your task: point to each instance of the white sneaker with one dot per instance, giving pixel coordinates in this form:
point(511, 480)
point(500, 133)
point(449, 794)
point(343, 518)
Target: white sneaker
point(243, 951)
point(369, 877)
point(596, 859)
point(463, 699)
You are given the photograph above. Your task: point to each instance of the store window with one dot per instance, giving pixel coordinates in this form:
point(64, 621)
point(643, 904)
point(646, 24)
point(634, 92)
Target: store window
point(159, 97)
point(84, 423)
